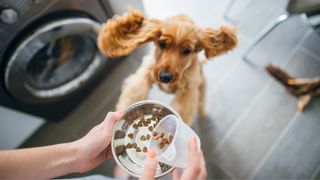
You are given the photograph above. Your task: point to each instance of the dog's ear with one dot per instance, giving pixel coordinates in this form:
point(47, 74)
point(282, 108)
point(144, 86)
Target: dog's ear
point(217, 41)
point(122, 34)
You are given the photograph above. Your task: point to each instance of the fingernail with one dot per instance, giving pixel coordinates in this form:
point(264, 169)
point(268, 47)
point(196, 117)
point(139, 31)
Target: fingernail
point(152, 154)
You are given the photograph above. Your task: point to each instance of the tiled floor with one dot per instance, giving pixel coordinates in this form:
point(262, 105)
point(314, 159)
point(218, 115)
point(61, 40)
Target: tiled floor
point(252, 129)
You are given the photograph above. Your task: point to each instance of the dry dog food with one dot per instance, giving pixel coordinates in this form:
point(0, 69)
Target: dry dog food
point(119, 134)
point(129, 145)
point(161, 145)
point(134, 145)
point(130, 135)
point(145, 149)
point(164, 167)
point(138, 149)
point(164, 139)
point(148, 136)
point(120, 149)
point(143, 138)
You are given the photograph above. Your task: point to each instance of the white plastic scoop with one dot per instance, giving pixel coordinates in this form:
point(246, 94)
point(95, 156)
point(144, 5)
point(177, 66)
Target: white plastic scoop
point(177, 152)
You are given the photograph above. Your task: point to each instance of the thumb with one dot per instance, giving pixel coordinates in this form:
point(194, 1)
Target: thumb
point(150, 166)
point(110, 121)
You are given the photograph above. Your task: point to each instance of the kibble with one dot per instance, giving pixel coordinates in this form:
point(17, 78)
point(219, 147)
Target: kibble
point(129, 145)
point(165, 141)
point(135, 126)
point(138, 149)
point(130, 135)
point(164, 167)
point(134, 145)
point(154, 117)
point(148, 136)
point(119, 134)
point(145, 149)
point(142, 138)
point(162, 145)
point(120, 149)
point(154, 133)
point(161, 134)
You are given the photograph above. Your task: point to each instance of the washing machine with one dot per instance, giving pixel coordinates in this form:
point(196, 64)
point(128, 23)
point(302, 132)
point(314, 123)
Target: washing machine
point(49, 60)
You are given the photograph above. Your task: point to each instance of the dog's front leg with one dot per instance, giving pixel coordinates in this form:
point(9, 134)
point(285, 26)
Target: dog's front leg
point(186, 103)
point(136, 87)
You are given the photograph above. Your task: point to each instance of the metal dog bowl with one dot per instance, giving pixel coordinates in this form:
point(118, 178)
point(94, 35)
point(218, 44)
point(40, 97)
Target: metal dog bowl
point(129, 159)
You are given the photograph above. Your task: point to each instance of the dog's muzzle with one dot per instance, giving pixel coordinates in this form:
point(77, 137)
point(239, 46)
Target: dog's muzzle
point(165, 77)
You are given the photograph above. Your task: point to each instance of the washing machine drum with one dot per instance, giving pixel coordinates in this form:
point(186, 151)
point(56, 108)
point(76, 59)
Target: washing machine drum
point(54, 61)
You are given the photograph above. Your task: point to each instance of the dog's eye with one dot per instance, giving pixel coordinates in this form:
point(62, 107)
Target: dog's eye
point(186, 51)
point(162, 44)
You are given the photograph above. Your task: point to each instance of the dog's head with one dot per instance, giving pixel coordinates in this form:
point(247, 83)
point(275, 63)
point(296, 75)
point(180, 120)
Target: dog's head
point(177, 40)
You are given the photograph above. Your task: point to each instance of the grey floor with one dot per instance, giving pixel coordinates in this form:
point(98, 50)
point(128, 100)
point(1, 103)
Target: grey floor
point(252, 129)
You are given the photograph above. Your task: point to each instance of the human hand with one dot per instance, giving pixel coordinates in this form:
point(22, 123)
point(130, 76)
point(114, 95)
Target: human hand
point(195, 170)
point(150, 166)
point(197, 167)
point(94, 148)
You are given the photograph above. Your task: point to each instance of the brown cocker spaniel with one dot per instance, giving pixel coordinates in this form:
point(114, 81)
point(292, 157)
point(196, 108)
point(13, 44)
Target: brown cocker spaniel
point(173, 64)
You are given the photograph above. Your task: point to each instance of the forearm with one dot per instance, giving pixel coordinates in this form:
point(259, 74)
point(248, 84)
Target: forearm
point(43, 162)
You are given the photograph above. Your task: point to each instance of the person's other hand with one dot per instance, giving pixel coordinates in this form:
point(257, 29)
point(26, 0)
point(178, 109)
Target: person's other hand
point(94, 148)
point(195, 170)
point(197, 167)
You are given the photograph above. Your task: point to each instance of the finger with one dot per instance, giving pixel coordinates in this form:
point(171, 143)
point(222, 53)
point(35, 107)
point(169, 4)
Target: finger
point(193, 170)
point(150, 166)
point(203, 172)
point(175, 174)
point(113, 117)
point(193, 153)
point(108, 152)
point(193, 146)
point(109, 122)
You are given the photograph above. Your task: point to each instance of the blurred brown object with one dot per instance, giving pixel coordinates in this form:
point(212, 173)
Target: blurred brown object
point(304, 89)
point(68, 49)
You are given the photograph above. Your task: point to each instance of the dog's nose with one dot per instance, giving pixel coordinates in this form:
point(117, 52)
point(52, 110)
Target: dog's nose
point(165, 77)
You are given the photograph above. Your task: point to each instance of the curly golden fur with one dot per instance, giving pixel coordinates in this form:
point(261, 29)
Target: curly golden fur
point(177, 42)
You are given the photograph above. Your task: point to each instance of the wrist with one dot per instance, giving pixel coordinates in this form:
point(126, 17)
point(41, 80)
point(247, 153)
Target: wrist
point(71, 157)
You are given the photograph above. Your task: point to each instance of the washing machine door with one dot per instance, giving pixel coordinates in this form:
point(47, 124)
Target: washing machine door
point(54, 61)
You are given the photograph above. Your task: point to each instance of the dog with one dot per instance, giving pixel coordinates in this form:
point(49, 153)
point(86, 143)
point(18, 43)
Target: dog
point(173, 64)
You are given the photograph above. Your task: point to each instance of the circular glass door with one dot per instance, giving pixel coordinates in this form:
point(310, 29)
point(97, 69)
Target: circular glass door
point(54, 61)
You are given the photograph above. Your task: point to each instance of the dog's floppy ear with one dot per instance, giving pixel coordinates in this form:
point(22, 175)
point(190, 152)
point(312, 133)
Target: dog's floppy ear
point(217, 41)
point(122, 34)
